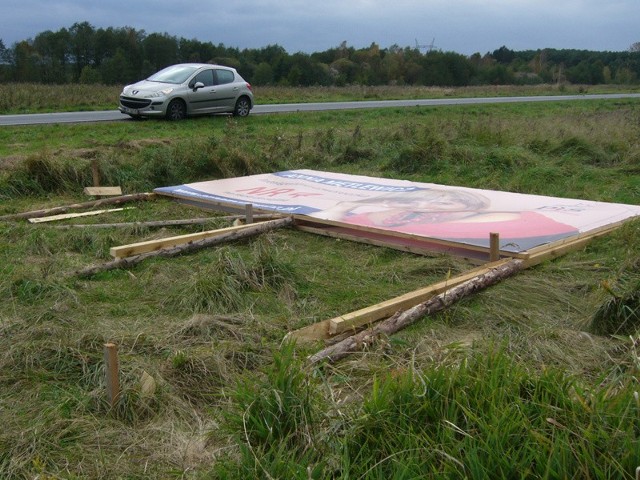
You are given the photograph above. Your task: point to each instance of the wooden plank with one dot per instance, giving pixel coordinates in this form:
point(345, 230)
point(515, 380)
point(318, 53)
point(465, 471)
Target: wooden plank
point(167, 223)
point(249, 230)
point(360, 231)
point(310, 333)
point(419, 248)
point(402, 319)
point(385, 309)
point(561, 247)
point(328, 328)
point(169, 242)
point(65, 216)
point(102, 191)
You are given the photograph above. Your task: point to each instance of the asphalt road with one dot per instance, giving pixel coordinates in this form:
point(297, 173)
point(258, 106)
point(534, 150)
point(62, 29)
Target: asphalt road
point(115, 115)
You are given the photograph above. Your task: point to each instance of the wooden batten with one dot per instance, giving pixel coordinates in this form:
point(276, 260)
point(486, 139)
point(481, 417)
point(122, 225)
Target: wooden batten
point(352, 321)
point(66, 216)
point(169, 242)
point(382, 310)
point(102, 191)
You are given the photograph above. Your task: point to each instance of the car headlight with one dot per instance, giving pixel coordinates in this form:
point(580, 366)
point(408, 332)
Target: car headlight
point(160, 93)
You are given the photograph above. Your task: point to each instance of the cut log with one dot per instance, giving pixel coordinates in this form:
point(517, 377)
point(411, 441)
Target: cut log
point(405, 318)
point(353, 321)
point(76, 206)
point(166, 223)
point(251, 230)
point(133, 249)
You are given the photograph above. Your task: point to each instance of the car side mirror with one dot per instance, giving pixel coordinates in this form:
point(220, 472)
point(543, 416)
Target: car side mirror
point(197, 86)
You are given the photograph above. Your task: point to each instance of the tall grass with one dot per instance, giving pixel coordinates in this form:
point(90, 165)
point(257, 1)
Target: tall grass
point(484, 417)
point(208, 390)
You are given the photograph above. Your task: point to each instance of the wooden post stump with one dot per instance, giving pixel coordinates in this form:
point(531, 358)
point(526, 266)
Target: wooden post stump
point(494, 247)
point(95, 172)
point(112, 373)
point(248, 213)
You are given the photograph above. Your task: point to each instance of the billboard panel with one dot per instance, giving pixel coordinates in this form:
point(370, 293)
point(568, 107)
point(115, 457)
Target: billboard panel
point(460, 215)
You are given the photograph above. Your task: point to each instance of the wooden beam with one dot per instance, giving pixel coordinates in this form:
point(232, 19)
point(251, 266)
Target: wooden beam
point(65, 216)
point(552, 250)
point(102, 191)
point(354, 320)
point(79, 206)
point(391, 237)
point(169, 242)
point(382, 310)
point(405, 318)
point(253, 229)
point(167, 223)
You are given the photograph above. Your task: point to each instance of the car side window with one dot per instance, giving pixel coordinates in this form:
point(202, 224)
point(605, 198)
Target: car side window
point(205, 77)
point(224, 76)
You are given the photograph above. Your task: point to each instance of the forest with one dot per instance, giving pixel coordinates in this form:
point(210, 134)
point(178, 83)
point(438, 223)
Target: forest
point(119, 55)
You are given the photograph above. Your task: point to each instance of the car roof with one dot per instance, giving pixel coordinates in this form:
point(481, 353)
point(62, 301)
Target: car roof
point(202, 65)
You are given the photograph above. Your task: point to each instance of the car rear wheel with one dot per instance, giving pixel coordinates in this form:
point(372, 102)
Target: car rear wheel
point(176, 110)
point(243, 106)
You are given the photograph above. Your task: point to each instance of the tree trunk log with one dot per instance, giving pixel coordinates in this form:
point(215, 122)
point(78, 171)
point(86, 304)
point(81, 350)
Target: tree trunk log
point(401, 320)
point(164, 223)
point(94, 203)
point(187, 248)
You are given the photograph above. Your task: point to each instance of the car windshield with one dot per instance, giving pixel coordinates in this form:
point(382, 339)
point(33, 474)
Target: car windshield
point(174, 74)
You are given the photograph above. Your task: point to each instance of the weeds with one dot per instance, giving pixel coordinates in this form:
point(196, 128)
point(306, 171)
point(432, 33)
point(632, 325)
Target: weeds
point(225, 400)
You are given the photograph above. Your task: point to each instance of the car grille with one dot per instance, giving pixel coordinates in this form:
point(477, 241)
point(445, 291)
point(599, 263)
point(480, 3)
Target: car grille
point(134, 102)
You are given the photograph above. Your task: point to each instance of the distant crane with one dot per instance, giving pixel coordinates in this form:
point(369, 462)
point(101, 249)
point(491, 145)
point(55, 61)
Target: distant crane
point(428, 47)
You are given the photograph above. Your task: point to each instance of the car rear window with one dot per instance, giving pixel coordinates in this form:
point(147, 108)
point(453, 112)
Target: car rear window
point(224, 76)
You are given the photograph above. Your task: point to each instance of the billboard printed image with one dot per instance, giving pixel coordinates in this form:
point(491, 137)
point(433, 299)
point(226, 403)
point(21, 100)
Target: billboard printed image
point(421, 210)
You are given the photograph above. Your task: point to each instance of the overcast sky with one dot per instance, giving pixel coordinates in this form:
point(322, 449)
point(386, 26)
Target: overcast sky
point(463, 26)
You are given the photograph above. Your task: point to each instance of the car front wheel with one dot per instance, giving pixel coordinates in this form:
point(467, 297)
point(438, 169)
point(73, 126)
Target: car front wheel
point(243, 106)
point(176, 110)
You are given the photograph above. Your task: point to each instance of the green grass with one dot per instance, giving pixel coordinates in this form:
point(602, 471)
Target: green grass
point(533, 378)
point(21, 98)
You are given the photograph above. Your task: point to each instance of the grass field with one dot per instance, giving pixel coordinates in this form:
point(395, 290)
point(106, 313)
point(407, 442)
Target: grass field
point(37, 98)
point(537, 377)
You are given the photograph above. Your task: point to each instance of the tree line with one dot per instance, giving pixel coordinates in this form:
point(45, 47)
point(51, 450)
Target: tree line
point(85, 54)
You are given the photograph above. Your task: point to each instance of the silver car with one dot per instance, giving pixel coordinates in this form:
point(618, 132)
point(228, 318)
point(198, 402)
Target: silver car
point(188, 89)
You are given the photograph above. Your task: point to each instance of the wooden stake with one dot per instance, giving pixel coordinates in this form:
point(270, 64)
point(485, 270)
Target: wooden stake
point(95, 172)
point(248, 213)
point(494, 247)
point(112, 373)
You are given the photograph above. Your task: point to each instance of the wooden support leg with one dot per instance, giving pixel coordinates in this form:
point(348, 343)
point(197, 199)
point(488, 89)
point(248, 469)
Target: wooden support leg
point(248, 212)
point(494, 247)
point(112, 374)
